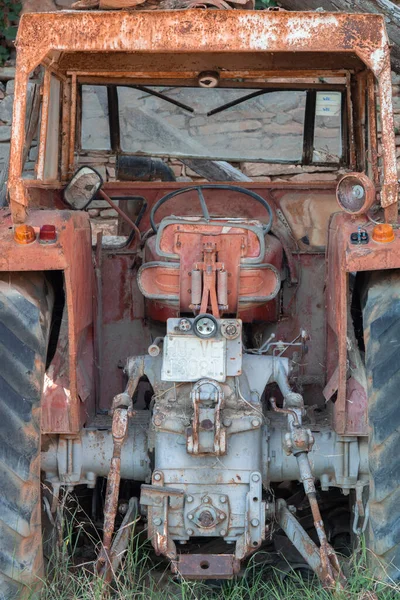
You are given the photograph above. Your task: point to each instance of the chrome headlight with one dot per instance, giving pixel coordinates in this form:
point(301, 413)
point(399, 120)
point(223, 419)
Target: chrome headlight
point(355, 193)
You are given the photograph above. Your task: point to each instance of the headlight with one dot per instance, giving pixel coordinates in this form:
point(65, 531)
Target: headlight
point(355, 193)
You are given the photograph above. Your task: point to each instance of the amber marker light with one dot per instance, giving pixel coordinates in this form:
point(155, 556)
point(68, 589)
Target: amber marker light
point(24, 234)
point(383, 233)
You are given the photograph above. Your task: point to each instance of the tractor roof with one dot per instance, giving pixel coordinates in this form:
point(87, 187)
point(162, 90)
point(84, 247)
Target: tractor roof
point(152, 41)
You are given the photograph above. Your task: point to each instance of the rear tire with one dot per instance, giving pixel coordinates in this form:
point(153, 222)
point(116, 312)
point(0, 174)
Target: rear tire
point(25, 316)
point(381, 318)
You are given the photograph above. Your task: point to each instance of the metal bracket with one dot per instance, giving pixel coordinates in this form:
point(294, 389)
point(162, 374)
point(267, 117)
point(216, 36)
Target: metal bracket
point(254, 532)
point(206, 566)
point(159, 501)
point(206, 435)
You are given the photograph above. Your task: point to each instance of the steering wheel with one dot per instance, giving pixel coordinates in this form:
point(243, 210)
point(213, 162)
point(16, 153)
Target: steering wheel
point(210, 186)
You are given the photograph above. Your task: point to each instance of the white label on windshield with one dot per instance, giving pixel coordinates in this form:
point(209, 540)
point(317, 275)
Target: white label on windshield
point(328, 104)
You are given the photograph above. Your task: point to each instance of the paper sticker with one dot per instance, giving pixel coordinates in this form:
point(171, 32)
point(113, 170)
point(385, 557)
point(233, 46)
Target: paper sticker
point(328, 104)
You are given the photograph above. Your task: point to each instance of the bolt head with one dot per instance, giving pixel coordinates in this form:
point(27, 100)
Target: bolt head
point(157, 477)
point(184, 325)
point(255, 477)
point(231, 329)
point(190, 517)
point(123, 508)
point(206, 499)
point(157, 521)
point(189, 499)
point(255, 522)
point(255, 422)
point(223, 499)
point(223, 532)
point(189, 531)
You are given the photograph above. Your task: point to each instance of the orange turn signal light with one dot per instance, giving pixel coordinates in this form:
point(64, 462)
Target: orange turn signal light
point(383, 233)
point(24, 234)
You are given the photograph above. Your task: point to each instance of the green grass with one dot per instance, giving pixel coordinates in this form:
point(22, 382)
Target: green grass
point(141, 576)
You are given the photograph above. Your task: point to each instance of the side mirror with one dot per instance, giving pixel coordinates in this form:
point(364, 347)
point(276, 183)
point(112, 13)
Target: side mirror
point(82, 188)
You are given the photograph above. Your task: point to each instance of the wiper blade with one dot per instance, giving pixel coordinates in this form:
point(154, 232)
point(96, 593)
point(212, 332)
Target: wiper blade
point(219, 109)
point(147, 90)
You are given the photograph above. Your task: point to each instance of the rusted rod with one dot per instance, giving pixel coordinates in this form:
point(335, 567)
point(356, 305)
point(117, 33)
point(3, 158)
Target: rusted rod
point(119, 432)
point(122, 411)
point(123, 215)
point(284, 411)
point(331, 573)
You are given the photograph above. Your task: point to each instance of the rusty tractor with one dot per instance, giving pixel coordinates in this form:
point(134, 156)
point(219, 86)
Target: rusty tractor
point(222, 369)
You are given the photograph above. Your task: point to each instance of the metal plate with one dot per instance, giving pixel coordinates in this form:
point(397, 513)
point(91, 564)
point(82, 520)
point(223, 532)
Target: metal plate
point(189, 358)
point(206, 566)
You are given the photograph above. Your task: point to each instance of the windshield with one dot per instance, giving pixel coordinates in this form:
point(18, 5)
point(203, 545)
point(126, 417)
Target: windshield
point(219, 124)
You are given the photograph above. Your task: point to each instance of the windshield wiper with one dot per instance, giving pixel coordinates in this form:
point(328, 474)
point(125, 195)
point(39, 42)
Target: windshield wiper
point(219, 109)
point(147, 90)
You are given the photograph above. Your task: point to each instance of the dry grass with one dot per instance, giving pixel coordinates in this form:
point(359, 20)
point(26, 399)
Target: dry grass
point(71, 577)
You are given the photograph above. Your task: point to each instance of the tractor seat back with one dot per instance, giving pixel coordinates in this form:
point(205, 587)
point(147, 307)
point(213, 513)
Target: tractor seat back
point(222, 266)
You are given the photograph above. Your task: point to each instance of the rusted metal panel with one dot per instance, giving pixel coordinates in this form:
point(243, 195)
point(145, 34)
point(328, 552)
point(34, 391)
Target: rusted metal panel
point(199, 31)
point(389, 192)
point(124, 331)
point(344, 258)
point(372, 157)
point(66, 115)
point(44, 124)
point(72, 126)
point(69, 380)
point(14, 185)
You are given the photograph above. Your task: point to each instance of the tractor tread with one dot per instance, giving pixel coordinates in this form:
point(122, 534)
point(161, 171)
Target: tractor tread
point(381, 317)
point(25, 316)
